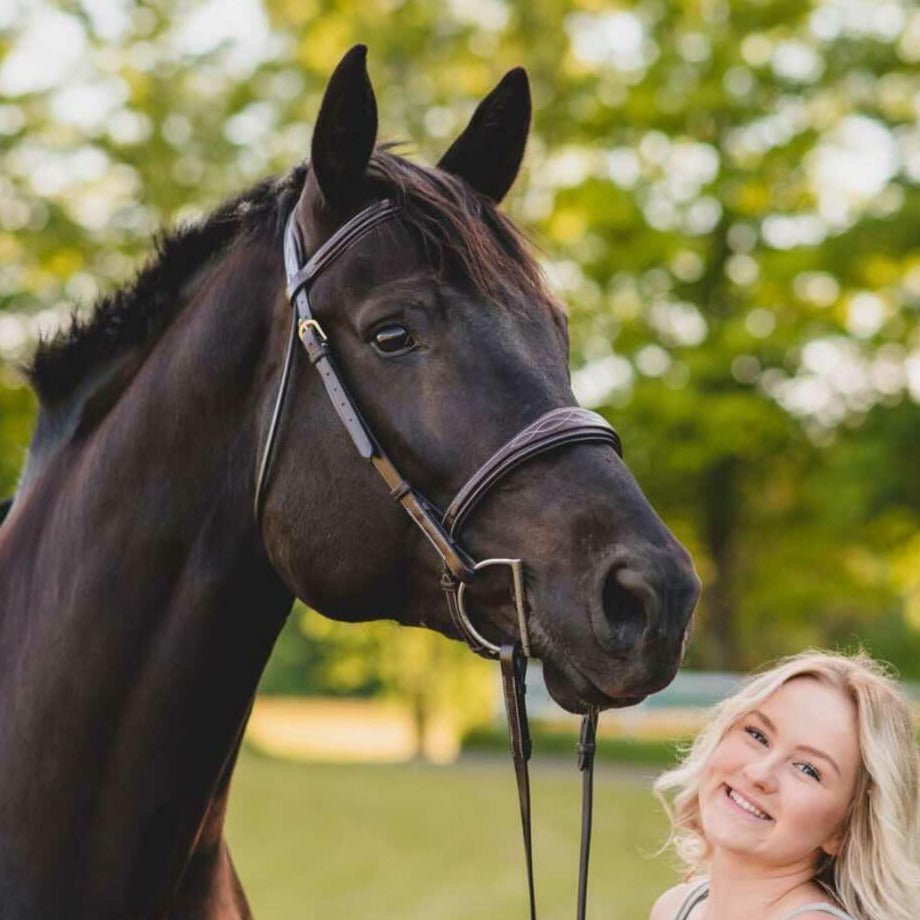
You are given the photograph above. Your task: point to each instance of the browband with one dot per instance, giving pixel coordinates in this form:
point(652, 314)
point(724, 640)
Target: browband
point(343, 238)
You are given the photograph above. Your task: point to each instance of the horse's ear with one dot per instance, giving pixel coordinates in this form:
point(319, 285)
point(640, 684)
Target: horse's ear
point(488, 153)
point(345, 132)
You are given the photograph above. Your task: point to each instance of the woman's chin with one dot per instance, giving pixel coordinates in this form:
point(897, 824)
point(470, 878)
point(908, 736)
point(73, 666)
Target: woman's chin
point(726, 827)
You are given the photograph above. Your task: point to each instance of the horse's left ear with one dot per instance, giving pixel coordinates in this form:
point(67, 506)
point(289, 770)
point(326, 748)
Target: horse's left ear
point(488, 153)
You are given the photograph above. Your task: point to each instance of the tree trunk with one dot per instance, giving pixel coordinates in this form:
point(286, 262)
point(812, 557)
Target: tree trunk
point(419, 707)
point(720, 531)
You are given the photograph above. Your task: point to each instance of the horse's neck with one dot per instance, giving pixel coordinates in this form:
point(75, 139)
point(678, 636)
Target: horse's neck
point(137, 610)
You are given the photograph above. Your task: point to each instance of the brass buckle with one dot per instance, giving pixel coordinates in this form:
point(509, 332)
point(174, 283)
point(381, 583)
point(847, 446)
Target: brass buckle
point(313, 324)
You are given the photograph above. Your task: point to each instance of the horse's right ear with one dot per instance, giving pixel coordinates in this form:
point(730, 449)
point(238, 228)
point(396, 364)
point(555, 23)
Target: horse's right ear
point(345, 132)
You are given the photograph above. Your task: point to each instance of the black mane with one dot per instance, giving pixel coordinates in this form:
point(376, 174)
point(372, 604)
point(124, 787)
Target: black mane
point(453, 220)
point(141, 309)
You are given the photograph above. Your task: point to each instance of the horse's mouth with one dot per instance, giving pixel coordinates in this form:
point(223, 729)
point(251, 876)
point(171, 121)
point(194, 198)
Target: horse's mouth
point(566, 683)
point(576, 693)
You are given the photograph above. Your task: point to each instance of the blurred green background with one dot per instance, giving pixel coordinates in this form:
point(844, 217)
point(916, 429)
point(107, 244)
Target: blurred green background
point(727, 196)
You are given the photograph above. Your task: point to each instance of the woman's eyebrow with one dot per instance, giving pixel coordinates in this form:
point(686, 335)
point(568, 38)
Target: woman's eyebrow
point(799, 747)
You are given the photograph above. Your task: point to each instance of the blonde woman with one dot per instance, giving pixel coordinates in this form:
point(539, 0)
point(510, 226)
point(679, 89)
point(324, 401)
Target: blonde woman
point(800, 799)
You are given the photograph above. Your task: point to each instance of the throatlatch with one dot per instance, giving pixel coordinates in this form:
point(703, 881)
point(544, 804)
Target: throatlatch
point(560, 427)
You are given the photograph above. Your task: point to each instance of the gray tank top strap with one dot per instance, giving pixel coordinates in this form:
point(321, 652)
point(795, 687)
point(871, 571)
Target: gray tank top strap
point(823, 907)
point(697, 893)
point(700, 892)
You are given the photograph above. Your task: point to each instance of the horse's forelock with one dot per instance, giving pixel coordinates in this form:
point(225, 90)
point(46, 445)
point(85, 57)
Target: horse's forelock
point(457, 222)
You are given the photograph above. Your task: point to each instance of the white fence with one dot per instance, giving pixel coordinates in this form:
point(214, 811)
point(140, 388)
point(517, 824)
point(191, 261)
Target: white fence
point(678, 709)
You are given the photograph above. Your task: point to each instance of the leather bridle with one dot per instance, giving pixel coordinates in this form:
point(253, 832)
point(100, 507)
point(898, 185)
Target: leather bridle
point(559, 427)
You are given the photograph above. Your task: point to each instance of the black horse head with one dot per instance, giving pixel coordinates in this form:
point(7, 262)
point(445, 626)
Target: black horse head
point(446, 335)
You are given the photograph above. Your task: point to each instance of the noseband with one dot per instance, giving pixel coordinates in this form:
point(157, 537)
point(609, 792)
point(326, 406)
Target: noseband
point(559, 427)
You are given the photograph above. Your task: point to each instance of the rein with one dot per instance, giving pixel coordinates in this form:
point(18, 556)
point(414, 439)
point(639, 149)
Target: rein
point(559, 427)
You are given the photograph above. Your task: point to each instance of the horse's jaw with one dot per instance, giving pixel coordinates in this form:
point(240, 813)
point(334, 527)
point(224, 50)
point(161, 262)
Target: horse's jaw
point(576, 693)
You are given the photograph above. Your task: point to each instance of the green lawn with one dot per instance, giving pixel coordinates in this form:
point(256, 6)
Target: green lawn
point(374, 842)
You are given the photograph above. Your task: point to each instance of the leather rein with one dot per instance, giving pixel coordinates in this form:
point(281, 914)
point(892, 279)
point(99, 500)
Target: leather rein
point(559, 427)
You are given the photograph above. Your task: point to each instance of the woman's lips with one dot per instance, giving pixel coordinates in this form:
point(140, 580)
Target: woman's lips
point(741, 803)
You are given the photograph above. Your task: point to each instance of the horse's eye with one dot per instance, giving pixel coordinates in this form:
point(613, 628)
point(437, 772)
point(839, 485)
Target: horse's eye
point(393, 339)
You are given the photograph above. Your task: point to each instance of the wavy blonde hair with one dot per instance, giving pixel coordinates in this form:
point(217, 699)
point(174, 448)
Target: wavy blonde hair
point(876, 872)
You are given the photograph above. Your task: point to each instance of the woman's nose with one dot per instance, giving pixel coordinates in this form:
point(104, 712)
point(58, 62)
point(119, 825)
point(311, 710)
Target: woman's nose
point(761, 773)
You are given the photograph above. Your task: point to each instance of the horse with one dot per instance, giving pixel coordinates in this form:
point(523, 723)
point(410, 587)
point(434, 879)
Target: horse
point(140, 595)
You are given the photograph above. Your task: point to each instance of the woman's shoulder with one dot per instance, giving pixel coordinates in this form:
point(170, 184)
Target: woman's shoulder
point(667, 906)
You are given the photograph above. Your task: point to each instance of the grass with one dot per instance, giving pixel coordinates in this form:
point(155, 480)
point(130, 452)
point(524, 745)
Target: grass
point(417, 841)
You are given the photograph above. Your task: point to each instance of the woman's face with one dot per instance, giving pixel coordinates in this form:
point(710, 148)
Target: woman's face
point(778, 785)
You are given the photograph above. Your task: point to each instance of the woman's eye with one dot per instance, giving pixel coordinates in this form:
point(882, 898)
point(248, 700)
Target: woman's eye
point(809, 770)
point(393, 339)
point(756, 734)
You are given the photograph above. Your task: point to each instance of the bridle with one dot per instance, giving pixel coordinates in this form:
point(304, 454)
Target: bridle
point(560, 427)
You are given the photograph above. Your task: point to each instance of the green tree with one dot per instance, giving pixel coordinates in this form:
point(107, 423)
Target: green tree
point(739, 289)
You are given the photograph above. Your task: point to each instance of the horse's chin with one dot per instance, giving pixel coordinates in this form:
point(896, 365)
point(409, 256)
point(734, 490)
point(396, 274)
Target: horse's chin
point(575, 693)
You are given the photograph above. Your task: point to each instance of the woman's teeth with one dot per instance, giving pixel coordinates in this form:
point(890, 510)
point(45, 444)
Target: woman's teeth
point(742, 802)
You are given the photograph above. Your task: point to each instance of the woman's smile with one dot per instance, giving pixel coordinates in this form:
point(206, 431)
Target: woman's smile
point(744, 805)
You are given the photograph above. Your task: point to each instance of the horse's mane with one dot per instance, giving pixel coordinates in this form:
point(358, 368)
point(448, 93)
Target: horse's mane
point(453, 220)
point(141, 309)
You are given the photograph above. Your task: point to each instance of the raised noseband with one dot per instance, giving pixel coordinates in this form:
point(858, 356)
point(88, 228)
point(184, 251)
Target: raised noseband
point(556, 428)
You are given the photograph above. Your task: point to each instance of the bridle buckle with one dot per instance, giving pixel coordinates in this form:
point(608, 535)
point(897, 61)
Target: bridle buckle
point(313, 324)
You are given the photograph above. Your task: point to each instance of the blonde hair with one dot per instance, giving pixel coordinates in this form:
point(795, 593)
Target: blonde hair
point(876, 872)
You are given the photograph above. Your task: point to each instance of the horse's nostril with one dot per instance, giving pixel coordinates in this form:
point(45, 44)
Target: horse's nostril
point(628, 603)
